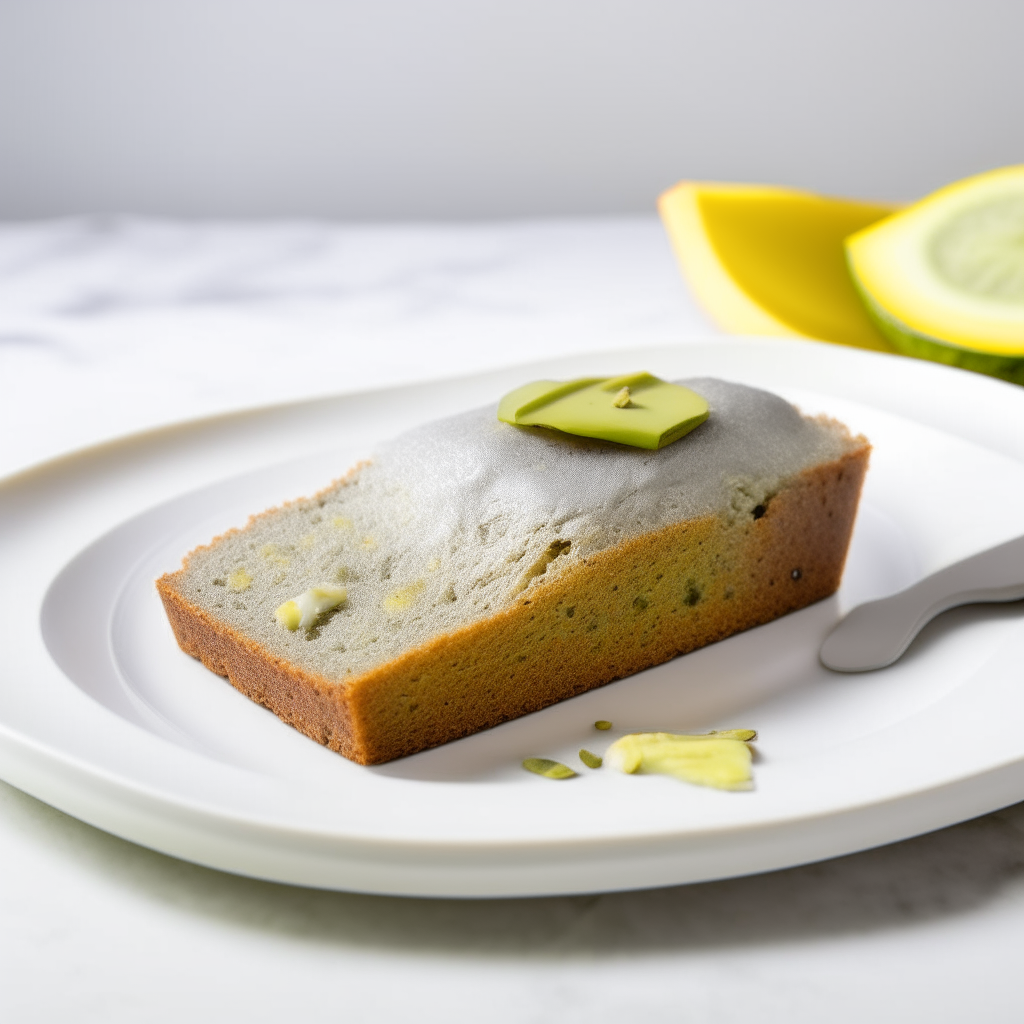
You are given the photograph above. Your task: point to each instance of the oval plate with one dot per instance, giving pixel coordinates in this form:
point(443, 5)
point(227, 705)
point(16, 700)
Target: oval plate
point(103, 717)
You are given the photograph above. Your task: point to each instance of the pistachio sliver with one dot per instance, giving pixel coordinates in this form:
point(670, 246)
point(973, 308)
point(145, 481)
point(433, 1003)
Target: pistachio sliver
point(591, 760)
point(747, 735)
point(548, 768)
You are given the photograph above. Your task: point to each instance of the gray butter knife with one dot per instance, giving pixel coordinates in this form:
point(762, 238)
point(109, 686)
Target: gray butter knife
point(875, 634)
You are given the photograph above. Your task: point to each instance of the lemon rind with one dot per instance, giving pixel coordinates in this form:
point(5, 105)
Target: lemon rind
point(923, 346)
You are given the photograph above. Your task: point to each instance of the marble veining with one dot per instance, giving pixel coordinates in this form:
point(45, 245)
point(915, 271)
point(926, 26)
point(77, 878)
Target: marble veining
point(125, 323)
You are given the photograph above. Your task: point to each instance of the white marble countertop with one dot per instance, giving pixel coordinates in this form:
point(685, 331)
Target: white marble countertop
point(116, 325)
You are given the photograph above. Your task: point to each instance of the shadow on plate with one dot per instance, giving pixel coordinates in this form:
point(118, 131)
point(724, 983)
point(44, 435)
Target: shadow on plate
point(936, 876)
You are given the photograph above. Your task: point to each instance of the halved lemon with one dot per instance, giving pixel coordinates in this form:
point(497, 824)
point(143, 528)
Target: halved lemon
point(944, 278)
point(768, 260)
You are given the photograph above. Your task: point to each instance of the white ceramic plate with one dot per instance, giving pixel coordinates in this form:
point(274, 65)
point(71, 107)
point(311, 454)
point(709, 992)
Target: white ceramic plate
point(102, 716)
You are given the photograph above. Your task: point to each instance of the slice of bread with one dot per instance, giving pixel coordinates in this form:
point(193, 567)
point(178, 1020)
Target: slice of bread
point(491, 570)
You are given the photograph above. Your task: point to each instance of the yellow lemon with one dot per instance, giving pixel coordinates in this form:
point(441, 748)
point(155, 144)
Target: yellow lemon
point(769, 260)
point(944, 278)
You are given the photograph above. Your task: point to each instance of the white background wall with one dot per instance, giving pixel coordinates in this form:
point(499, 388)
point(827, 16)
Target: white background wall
point(386, 109)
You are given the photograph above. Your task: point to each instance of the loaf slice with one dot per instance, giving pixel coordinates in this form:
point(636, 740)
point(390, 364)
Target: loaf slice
point(491, 570)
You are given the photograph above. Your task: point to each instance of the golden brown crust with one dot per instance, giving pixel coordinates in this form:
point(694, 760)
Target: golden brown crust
point(598, 619)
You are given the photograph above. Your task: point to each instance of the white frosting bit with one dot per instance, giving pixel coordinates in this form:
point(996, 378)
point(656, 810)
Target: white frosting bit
point(302, 612)
point(314, 602)
point(451, 521)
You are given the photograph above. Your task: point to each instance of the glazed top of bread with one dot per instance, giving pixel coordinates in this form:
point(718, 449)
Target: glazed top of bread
point(451, 521)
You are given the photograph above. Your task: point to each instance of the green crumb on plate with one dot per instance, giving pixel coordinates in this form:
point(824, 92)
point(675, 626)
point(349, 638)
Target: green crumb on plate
point(549, 769)
point(603, 725)
point(747, 735)
point(591, 760)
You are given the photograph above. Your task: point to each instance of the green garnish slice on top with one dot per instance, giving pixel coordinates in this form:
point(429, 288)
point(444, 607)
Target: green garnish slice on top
point(637, 409)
